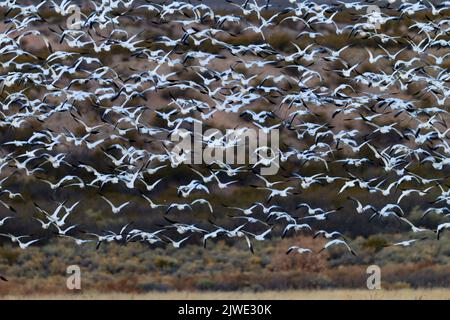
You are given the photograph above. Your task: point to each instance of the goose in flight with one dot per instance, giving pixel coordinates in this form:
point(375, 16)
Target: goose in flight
point(337, 242)
point(176, 244)
point(261, 236)
point(44, 225)
point(222, 185)
point(360, 208)
point(115, 209)
point(328, 235)
point(179, 207)
point(283, 193)
point(183, 228)
point(440, 211)
point(3, 221)
point(266, 210)
point(440, 228)
point(25, 245)
point(151, 203)
point(54, 217)
point(407, 192)
point(77, 241)
point(299, 250)
point(246, 211)
point(212, 235)
point(17, 239)
point(296, 227)
point(413, 227)
point(407, 243)
point(7, 206)
point(65, 231)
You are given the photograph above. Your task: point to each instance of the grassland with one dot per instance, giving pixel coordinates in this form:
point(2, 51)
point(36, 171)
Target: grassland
point(136, 270)
point(404, 294)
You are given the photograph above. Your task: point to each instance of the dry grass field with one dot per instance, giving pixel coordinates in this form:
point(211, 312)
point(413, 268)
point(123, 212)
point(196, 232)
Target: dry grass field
point(404, 294)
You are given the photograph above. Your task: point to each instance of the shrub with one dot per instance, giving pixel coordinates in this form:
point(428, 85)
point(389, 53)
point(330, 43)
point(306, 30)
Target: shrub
point(375, 244)
point(205, 284)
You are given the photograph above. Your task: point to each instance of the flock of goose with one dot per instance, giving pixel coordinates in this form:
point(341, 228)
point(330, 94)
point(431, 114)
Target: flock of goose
point(87, 111)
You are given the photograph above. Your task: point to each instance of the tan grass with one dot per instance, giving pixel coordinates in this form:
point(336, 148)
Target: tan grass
point(403, 294)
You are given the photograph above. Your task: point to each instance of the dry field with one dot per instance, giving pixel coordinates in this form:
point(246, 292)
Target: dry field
point(404, 294)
